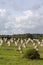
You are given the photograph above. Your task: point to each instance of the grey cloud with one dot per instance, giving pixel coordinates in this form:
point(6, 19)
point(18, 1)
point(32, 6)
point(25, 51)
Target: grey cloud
point(38, 4)
point(26, 23)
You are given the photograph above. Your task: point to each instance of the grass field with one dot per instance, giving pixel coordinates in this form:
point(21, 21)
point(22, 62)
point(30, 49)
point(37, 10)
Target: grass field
point(10, 56)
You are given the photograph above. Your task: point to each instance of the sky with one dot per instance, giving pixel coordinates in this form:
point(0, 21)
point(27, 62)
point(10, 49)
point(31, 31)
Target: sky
point(21, 16)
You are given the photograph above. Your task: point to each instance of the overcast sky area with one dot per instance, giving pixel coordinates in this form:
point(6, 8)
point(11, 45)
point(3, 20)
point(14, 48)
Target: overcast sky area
point(21, 16)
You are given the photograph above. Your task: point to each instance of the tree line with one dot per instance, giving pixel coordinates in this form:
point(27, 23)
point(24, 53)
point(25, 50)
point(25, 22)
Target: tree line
point(32, 36)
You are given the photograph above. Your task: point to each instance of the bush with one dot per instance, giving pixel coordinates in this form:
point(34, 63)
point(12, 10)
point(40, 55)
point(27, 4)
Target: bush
point(32, 54)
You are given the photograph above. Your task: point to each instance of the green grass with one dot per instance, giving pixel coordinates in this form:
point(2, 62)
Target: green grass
point(10, 56)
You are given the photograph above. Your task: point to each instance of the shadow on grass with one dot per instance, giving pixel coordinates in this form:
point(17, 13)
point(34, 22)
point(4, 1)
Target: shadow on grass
point(38, 59)
point(41, 59)
point(33, 59)
point(1, 58)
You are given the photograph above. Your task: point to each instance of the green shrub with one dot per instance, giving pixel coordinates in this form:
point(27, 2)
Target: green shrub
point(32, 54)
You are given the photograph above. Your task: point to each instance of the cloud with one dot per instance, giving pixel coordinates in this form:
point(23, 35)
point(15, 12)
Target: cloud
point(26, 15)
point(37, 5)
point(2, 12)
point(27, 20)
point(21, 16)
